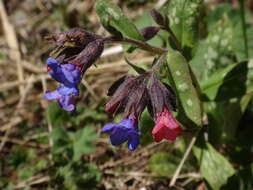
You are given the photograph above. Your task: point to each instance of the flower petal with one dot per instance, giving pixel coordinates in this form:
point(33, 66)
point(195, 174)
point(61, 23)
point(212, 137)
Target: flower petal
point(53, 95)
point(108, 127)
point(67, 103)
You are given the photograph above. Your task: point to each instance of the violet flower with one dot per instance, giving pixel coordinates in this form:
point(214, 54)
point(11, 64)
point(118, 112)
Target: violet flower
point(69, 76)
point(125, 130)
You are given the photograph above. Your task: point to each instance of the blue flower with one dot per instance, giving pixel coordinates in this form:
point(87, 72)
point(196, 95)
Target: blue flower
point(125, 130)
point(67, 74)
point(65, 96)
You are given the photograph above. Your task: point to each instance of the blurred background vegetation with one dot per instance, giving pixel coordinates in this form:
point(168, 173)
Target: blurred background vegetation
point(43, 147)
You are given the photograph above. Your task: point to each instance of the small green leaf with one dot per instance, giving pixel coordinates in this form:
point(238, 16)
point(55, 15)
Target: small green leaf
point(163, 163)
point(213, 166)
point(183, 15)
point(112, 17)
point(83, 142)
point(186, 91)
point(138, 69)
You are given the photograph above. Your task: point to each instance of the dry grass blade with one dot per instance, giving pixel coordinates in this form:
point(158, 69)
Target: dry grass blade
point(12, 42)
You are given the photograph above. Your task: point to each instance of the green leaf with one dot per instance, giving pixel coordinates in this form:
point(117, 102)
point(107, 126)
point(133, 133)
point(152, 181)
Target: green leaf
point(183, 15)
point(190, 106)
point(213, 166)
point(112, 17)
point(83, 142)
point(224, 117)
point(56, 115)
point(61, 140)
point(163, 163)
point(232, 81)
point(215, 52)
point(138, 69)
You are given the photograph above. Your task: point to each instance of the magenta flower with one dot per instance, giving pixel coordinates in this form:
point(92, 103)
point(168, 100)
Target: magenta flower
point(166, 127)
point(125, 130)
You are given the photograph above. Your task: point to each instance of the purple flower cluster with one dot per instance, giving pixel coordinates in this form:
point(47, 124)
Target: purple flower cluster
point(130, 95)
point(71, 63)
point(76, 51)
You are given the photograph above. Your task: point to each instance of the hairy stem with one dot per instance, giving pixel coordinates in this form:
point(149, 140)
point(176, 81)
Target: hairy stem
point(139, 44)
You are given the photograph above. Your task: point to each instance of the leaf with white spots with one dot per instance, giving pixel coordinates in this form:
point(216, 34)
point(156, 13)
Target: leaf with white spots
point(190, 112)
point(215, 51)
point(214, 167)
point(183, 15)
point(115, 21)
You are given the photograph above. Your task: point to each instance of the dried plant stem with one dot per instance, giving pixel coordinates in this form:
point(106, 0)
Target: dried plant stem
point(12, 42)
point(186, 154)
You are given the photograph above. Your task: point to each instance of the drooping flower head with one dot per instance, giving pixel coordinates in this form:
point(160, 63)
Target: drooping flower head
point(162, 100)
point(130, 98)
point(77, 50)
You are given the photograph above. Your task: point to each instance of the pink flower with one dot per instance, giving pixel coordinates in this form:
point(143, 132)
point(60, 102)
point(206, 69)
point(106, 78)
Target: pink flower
point(166, 127)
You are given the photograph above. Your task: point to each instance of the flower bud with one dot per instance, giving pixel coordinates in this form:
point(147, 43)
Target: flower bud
point(158, 18)
point(149, 32)
point(89, 55)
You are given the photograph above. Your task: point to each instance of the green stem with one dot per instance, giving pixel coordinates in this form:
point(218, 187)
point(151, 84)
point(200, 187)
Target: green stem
point(242, 11)
point(139, 44)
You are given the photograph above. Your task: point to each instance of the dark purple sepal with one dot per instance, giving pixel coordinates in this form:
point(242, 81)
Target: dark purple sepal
point(75, 36)
point(89, 55)
point(160, 95)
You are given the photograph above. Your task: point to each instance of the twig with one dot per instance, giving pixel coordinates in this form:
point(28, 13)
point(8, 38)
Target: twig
point(186, 154)
point(20, 103)
point(12, 42)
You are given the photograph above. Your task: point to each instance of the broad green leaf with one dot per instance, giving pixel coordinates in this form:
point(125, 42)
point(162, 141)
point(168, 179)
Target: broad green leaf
point(183, 15)
point(112, 17)
point(186, 91)
point(224, 117)
point(232, 81)
point(163, 163)
point(215, 51)
point(213, 166)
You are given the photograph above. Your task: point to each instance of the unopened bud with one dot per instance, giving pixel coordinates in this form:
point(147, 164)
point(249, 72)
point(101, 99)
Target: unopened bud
point(89, 55)
point(149, 32)
point(158, 18)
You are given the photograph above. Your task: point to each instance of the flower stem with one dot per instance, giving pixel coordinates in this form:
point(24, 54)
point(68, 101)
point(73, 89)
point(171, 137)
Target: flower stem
point(139, 44)
point(173, 36)
point(242, 12)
